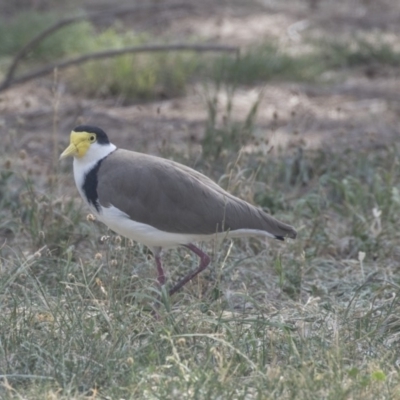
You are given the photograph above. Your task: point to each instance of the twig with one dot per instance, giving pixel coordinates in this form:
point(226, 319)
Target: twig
point(8, 80)
point(113, 53)
point(23, 376)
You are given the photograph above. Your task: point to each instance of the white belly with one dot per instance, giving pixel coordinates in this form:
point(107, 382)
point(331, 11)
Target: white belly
point(120, 223)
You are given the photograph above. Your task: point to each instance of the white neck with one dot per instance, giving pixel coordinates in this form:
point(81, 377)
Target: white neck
point(83, 165)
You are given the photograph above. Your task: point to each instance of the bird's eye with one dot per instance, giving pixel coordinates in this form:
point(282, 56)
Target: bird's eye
point(92, 138)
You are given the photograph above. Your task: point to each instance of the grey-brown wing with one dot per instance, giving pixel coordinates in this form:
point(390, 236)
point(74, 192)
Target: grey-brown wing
point(175, 198)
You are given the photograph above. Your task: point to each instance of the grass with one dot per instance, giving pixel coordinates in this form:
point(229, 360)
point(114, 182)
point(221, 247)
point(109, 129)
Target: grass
point(359, 52)
point(17, 31)
point(141, 76)
point(165, 75)
point(224, 133)
point(267, 62)
point(304, 319)
point(315, 318)
point(129, 77)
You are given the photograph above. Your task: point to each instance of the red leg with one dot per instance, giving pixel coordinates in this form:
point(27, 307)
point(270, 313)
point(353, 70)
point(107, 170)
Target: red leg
point(160, 269)
point(204, 261)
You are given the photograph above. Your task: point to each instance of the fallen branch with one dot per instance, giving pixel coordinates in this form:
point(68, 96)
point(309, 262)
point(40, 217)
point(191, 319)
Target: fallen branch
point(114, 53)
point(9, 78)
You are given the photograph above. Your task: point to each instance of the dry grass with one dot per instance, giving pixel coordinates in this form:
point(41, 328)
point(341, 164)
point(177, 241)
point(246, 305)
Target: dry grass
point(307, 319)
point(311, 318)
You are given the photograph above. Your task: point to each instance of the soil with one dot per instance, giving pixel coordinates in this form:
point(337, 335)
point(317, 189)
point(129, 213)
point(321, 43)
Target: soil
point(360, 110)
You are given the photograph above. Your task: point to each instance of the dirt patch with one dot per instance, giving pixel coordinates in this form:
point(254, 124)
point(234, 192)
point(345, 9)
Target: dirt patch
point(362, 109)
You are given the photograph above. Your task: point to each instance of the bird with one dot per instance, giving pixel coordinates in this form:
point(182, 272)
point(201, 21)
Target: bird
point(161, 203)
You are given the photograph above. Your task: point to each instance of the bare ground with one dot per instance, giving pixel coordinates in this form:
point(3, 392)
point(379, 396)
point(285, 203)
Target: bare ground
point(360, 110)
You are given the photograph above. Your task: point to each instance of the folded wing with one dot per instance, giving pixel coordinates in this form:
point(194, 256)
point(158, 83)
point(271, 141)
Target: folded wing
point(177, 199)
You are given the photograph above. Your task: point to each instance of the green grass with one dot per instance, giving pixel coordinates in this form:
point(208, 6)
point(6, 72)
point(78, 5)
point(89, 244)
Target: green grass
point(267, 62)
point(304, 319)
point(358, 52)
point(16, 32)
point(140, 76)
point(225, 134)
point(315, 318)
point(132, 76)
point(165, 75)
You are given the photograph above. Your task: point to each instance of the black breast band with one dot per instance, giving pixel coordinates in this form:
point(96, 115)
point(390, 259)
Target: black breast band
point(90, 186)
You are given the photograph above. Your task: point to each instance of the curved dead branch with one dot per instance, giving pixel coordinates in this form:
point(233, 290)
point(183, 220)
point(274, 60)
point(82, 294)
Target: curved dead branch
point(114, 53)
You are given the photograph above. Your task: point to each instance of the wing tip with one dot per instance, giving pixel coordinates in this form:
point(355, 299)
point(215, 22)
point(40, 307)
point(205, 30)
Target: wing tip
point(292, 235)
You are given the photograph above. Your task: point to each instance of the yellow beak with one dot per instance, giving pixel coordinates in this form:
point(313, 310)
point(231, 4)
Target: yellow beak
point(71, 150)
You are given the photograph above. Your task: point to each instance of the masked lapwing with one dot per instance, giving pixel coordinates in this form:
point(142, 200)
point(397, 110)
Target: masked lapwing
point(160, 203)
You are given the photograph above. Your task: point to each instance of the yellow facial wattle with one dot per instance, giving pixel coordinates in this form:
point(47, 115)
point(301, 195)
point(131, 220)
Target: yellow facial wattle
point(78, 145)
